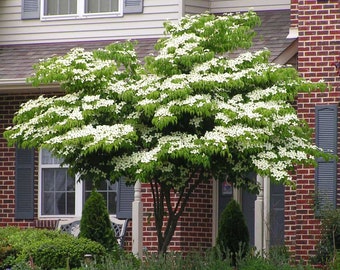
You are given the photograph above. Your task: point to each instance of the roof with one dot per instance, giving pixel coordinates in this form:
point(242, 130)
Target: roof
point(272, 33)
point(17, 60)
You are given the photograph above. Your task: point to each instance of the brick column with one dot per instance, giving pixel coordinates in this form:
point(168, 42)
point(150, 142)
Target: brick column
point(318, 48)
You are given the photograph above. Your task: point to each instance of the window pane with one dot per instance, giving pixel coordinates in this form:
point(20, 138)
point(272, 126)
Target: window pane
point(96, 6)
point(59, 7)
point(102, 185)
point(114, 6)
point(60, 203)
point(63, 7)
point(88, 185)
point(73, 6)
point(104, 6)
point(47, 179)
point(48, 203)
point(58, 192)
point(92, 6)
point(112, 203)
point(70, 205)
point(60, 179)
point(107, 190)
point(71, 184)
point(51, 7)
point(48, 158)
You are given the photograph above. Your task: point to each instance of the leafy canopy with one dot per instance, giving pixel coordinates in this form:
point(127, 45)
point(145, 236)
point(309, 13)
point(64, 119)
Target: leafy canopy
point(190, 109)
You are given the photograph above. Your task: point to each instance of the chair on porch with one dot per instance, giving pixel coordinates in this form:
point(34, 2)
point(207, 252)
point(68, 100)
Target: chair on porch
point(72, 226)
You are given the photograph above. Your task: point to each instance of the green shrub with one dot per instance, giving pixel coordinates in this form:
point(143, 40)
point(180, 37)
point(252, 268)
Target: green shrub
point(95, 222)
point(7, 255)
point(233, 236)
point(62, 252)
point(46, 248)
point(330, 236)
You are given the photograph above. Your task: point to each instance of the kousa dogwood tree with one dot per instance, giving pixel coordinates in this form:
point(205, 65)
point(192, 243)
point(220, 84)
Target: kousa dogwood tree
point(188, 115)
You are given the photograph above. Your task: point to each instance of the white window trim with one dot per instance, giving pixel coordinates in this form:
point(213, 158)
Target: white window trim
point(80, 12)
point(78, 193)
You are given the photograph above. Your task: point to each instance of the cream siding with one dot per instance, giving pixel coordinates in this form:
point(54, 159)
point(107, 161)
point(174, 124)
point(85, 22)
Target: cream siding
point(222, 6)
point(197, 6)
point(13, 30)
point(149, 24)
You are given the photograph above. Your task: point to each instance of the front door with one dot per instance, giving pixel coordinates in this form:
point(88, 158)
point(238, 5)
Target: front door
point(247, 202)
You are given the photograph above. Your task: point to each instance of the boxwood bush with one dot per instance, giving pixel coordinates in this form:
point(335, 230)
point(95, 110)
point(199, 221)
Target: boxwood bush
point(95, 222)
point(233, 236)
point(46, 248)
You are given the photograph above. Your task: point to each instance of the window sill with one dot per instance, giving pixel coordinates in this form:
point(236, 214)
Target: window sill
point(80, 17)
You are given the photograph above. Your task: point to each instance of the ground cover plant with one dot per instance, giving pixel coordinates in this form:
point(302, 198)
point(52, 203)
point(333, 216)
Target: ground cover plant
point(209, 260)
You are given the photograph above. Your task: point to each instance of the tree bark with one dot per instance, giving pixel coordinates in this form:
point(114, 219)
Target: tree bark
point(161, 194)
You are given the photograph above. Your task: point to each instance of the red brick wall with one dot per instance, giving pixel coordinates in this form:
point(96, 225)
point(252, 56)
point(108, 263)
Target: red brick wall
point(318, 47)
point(9, 104)
point(194, 228)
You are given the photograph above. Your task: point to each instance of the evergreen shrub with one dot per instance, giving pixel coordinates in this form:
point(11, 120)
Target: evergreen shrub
point(95, 222)
point(233, 236)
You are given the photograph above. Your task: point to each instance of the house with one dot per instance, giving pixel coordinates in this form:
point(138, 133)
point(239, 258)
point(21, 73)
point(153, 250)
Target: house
point(303, 34)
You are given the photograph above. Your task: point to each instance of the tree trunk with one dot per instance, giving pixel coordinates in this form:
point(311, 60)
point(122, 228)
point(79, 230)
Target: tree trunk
point(161, 194)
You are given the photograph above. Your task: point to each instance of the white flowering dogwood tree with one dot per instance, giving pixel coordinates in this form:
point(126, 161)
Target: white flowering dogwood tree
point(188, 115)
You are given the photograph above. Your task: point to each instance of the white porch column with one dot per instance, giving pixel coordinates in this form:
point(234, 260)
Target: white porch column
point(137, 222)
point(266, 213)
point(258, 217)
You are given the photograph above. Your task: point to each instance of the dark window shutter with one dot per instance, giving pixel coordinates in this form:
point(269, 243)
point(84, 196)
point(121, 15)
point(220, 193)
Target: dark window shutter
point(133, 6)
point(125, 198)
point(30, 9)
point(24, 183)
point(326, 138)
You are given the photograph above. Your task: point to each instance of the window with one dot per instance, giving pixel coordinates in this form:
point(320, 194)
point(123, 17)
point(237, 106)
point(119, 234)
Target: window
point(68, 9)
point(53, 9)
point(61, 195)
point(109, 192)
point(57, 188)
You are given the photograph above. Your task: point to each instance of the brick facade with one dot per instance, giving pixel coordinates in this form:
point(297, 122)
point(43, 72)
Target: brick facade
point(194, 228)
point(318, 24)
point(8, 105)
point(194, 231)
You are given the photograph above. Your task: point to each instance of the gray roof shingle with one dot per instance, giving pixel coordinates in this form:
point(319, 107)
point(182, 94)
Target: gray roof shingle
point(16, 61)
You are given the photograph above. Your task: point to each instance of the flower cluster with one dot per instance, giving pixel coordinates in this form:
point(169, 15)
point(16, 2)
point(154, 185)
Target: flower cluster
point(190, 108)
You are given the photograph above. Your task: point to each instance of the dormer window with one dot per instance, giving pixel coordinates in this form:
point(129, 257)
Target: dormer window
point(62, 9)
